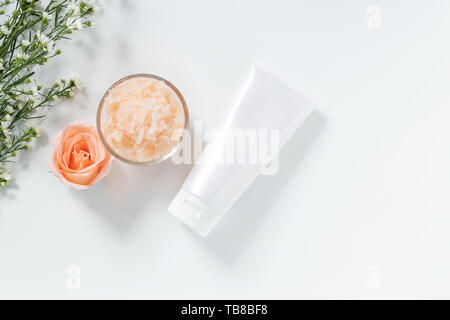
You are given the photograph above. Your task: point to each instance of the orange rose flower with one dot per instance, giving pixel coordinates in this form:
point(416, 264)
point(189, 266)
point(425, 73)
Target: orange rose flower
point(79, 157)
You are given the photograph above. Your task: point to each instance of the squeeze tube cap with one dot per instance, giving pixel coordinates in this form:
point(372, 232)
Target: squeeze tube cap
point(193, 212)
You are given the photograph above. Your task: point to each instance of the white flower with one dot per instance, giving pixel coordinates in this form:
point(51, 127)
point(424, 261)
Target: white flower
point(73, 8)
point(25, 43)
point(74, 24)
point(77, 82)
point(32, 125)
point(38, 131)
point(45, 42)
point(50, 49)
point(50, 46)
point(47, 16)
point(37, 4)
point(22, 56)
point(5, 30)
point(4, 126)
point(89, 3)
point(6, 133)
point(5, 176)
point(22, 98)
point(60, 83)
point(78, 25)
point(43, 39)
point(35, 93)
point(9, 109)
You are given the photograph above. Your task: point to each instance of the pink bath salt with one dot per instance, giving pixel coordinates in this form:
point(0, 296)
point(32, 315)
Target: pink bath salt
point(142, 119)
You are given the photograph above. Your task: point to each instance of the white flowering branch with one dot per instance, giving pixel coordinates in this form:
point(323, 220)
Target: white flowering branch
point(27, 40)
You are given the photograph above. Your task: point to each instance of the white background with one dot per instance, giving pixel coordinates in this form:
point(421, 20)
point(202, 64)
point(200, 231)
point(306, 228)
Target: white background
point(359, 209)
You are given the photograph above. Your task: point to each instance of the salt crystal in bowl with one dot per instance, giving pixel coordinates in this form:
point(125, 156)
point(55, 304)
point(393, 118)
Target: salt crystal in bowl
point(141, 118)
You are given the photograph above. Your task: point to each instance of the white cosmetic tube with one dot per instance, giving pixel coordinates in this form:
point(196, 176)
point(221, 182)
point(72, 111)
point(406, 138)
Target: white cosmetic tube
point(265, 105)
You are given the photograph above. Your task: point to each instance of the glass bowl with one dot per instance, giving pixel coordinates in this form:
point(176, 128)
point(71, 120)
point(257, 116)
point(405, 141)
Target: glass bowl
point(99, 122)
